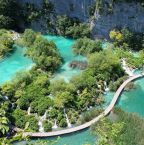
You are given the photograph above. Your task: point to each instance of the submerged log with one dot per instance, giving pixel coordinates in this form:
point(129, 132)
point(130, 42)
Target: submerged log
point(78, 64)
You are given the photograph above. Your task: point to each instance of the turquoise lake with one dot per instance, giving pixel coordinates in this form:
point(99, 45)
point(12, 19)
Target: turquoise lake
point(14, 63)
point(132, 101)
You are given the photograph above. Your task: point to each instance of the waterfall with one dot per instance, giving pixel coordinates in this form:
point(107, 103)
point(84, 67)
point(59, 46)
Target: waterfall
point(40, 123)
point(67, 120)
point(99, 86)
point(92, 24)
point(12, 105)
point(28, 111)
point(105, 86)
point(127, 69)
point(44, 116)
point(55, 125)
point(15, 35)
point(41, 129)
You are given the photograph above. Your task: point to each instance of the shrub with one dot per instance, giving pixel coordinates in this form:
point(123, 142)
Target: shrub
point(47, 126)
point(87, 46)
point(63, 123)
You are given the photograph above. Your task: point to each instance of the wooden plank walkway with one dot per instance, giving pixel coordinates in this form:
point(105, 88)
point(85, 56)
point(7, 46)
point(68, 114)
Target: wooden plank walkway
point(87, 124)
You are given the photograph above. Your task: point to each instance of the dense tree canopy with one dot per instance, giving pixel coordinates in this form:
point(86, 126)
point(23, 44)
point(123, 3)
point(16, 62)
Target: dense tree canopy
point(86, 46)
point(71, 27)
point(8, 13)
point(127, 40)
point(43, 52)
point(6, 45)
point(106, 65)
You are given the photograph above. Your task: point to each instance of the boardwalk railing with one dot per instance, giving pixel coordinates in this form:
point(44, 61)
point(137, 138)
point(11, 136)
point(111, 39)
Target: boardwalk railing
point(87, 124)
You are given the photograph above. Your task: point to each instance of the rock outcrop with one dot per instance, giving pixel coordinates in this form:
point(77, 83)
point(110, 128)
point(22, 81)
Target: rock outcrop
point(124, 14)
point(78, 64)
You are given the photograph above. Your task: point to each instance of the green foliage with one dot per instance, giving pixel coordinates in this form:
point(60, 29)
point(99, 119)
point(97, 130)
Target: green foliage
point(115, 85)
point(47, 126)
point(36, 92)
point(85, 99)
point(44, 53)
point(32, 123)
point(63, 123)
point(89, 115)
point(107, 132)
point(53, 113)
point(30, 12)
point(6, 45)
point(4, 121)
point(41, 104)
point(71, 27)
point(73, 115)
point(106, 65)
point(64, 22)
point(133, 129)
point(87, 46)
point(19, 118)
point(133, 61)
point(8, 13)
point(78, 31)
point(63, 99)
point(84, 80)
point(127, 40)
point(61, 86)
point(120, 129)
point(29, 37)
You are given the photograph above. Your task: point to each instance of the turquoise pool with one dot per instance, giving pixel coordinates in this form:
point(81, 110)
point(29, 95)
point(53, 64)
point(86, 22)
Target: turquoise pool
point(14, 63)
point(65, 48)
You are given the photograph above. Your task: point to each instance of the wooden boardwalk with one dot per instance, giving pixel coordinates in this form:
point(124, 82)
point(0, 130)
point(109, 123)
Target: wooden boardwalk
point(88, 124)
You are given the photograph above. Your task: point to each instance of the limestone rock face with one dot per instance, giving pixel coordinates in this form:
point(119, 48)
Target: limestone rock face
point(129, 15)
point(124, 15)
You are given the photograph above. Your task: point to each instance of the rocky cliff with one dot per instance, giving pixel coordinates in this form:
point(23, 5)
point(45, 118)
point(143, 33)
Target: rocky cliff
point(123, 14)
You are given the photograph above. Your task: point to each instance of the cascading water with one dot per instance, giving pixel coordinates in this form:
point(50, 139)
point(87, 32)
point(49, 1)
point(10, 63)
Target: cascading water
point(67, 120)
point(105, 86)
point(127, 69)
point(55, 125)
point(28, 112)
point(41, 129)
point(40, 122)
point(44, 116)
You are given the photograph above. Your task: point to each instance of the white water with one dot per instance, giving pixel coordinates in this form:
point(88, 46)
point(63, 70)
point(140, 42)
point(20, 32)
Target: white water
point(44, 116)
point(28, 111)
point(40, 123)
point(13, 104)
point(106, 87)
point(99, 86)
point(127, 69)
point(15, 35)
point(41, 129)
point(55, 125)
point(67, 120)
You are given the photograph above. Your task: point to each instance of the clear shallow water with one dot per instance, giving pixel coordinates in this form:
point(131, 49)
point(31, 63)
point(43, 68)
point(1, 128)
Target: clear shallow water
point(14, 63)
point(132, 101)
point(65, 48)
